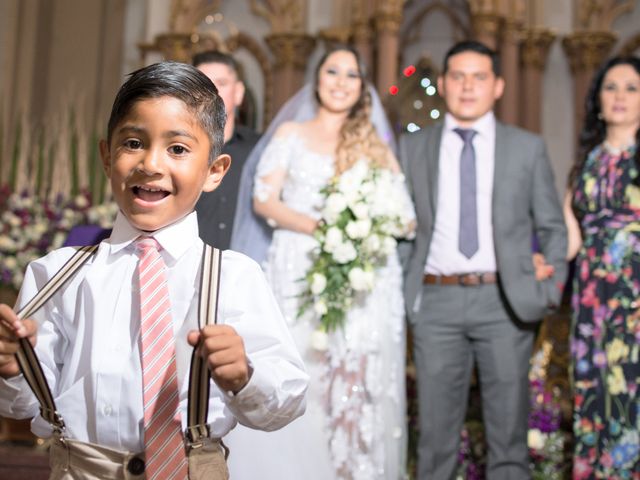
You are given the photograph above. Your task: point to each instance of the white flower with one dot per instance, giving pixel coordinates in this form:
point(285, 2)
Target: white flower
point(7, 244)
point(81, 201)
point(320, 307)
point(360, 210)
point(13, 219)
point(318, 283)
point(10, 263)
point(358, 229)
point(333, 239)
point(335, 205)
point(536, 439)
point(319, 340)
point(345, 252)
point(372, 244)
point(361, 280)
point(389, 245)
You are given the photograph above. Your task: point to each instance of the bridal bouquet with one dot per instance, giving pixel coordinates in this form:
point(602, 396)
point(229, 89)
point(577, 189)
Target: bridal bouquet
point(365, 211)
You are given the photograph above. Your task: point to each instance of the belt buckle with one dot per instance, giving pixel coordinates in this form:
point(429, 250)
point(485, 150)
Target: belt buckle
point(470, 280)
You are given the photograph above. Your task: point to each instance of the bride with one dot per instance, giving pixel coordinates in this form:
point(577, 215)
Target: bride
point(354, 425)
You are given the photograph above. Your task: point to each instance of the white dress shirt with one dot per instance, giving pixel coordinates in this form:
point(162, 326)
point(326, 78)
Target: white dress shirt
point(444, 257)
point(88, 341)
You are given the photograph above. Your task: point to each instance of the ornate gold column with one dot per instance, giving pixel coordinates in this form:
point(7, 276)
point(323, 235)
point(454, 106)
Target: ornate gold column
point(586, 50)
point(361, 31)
point(388, 18)
point(486, 28)
point(291, 51)
point(534, 51)
point(508, 108)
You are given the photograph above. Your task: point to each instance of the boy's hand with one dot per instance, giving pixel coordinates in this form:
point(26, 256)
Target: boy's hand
point(11, 329)
point(543, 270)
point(223, 350)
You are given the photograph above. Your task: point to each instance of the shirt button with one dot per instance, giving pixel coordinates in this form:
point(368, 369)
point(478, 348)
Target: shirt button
point(107, 410)
point(222, 226)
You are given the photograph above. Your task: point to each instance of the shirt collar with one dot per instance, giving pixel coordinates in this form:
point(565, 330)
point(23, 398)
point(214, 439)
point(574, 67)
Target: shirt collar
point(485, 126)
point(175, 239)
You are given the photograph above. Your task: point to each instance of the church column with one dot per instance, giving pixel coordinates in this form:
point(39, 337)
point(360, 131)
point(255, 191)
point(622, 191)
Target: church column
point(388, 18)
point(586, 50)
point(291, 51)
point(534, 51)
point(361, 32)
point(508, 108)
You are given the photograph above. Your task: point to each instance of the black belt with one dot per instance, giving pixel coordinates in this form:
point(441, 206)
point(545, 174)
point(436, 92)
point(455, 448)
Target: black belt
point(464, 279)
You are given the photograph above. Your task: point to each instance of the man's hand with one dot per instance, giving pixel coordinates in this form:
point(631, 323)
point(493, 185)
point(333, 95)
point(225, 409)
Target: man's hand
point(12, 329)
point(542, 269)
point(223, 349)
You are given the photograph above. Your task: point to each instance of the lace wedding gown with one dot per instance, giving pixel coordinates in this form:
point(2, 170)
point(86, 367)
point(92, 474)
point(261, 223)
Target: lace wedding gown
point(354, 426)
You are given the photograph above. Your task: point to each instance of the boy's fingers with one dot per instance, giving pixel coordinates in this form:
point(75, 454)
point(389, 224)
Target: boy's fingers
point(217, 330)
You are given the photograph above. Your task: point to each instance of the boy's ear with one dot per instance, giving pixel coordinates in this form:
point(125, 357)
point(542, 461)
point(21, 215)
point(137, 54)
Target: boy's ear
point(105, 155)
point(239, 94)
point(217, 171)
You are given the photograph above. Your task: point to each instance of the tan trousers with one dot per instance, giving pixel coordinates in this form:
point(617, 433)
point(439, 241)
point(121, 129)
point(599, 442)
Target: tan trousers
point(74, 460)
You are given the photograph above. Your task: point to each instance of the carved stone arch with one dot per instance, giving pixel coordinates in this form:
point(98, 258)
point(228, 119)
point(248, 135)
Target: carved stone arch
point(409, 34)
point(631, 45)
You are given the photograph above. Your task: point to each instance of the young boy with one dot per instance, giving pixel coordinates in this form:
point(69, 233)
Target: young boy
point(162, 151)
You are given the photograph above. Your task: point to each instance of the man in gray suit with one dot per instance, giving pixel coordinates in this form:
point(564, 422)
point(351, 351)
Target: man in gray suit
point(481, 190)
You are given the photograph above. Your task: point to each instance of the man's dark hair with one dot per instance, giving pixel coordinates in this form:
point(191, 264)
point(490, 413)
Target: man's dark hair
point(216, 56)
point(177, 80)
point(473, 46)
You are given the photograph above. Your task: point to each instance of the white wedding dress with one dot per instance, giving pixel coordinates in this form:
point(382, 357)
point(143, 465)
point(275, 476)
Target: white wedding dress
point(354, 426)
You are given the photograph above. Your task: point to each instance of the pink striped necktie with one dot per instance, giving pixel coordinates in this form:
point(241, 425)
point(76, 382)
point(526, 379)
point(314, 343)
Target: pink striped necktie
point(164, 446)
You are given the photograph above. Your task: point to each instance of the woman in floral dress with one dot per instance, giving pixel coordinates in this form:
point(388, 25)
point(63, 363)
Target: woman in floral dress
point(603, 217)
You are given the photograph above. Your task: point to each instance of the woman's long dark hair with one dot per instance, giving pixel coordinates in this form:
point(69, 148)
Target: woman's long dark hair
point(594, 129)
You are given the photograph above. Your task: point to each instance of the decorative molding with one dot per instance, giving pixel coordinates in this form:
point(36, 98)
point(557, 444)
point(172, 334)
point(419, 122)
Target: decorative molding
point(631, 45)
point(486, 24)
point(186, 14)
point(535, 46)
point(387, 22)
point(512, 31)
point(291, 49)
point(335, 34)
point(284, 16)
point(586, 50)
point(599, 15)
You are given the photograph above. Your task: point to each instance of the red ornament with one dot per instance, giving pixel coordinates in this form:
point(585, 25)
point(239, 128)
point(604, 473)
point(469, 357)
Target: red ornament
point(393, 90)
point(408, 71)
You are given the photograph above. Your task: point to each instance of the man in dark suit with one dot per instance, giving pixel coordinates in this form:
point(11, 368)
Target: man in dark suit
point(216, 209)
point(481, 190)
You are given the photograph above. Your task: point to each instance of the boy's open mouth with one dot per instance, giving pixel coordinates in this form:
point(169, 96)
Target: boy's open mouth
point(149, 194)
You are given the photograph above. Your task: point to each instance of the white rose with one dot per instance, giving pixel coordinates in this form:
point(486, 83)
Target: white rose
point(361, 280)
point(360, 210)
point(358, 229)
point(14, 220)
point(345, 252)
point(320, 307)
point(536, 439)
point(332, 239)
point(334, 206)
point(319, 340)
point(371, 244)
point(318, 283)
point(389, 245)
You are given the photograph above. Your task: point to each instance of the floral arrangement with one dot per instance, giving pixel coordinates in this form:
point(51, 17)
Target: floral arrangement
point(31, 227)
point(363, 214)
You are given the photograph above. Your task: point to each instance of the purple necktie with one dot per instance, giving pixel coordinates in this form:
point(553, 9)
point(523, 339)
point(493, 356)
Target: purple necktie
point(468, 232)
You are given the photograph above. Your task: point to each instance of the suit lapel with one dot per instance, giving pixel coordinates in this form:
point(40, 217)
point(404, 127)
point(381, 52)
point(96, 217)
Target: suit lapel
point(433, 166)
point(500, 167)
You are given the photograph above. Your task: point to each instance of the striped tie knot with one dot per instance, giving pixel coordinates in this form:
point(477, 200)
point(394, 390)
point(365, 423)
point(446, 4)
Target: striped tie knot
point(145, 245)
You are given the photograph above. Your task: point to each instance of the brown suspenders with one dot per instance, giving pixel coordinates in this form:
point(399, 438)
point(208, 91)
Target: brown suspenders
point(199, 376)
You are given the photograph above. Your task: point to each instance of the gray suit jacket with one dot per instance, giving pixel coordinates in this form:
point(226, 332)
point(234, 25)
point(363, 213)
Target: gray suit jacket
point(525, 202)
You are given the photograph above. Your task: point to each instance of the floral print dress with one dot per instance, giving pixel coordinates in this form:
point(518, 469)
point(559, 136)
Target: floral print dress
point(606, 329)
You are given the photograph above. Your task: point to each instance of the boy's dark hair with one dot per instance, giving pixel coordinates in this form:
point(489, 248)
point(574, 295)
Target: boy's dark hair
point(473, 46)
point(216, 56)
point(177, 80)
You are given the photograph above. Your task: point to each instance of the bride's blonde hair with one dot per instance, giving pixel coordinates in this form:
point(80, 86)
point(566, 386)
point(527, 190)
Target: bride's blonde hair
point(358, 138)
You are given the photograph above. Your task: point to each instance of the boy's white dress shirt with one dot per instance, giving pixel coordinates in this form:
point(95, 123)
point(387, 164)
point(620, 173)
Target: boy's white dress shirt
point(88, 341)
